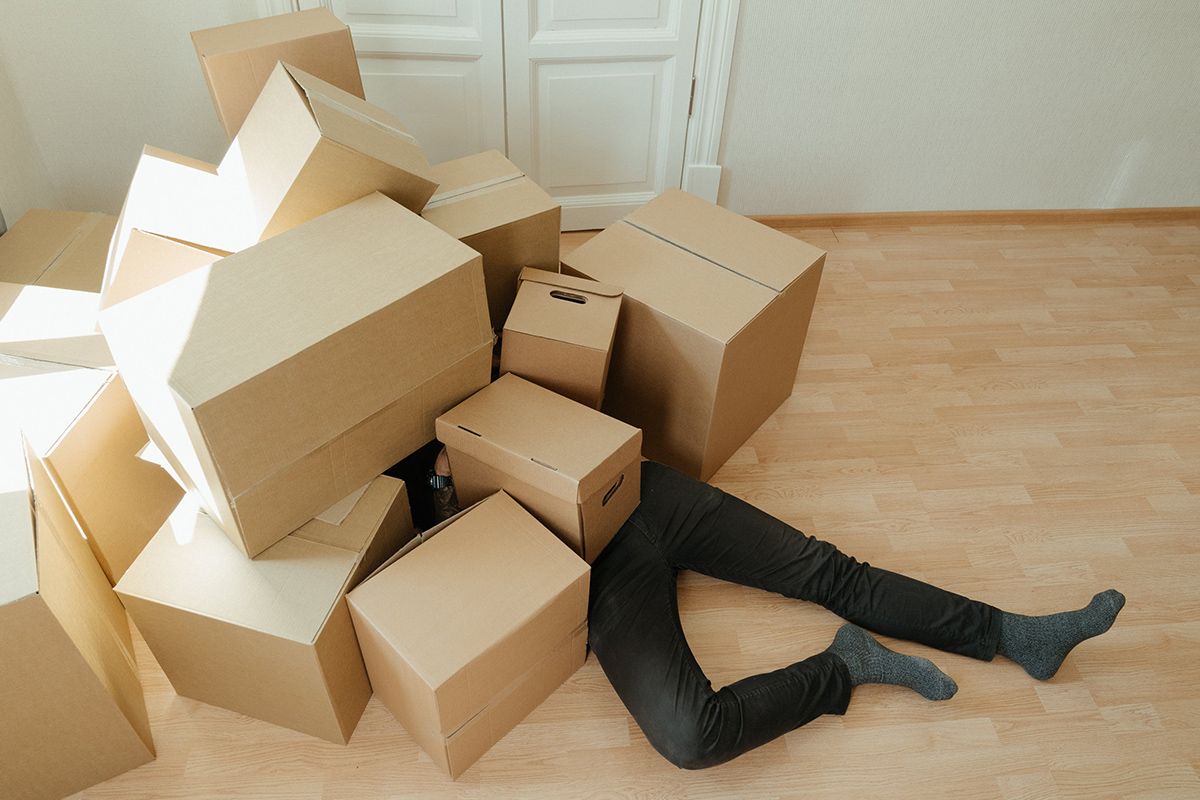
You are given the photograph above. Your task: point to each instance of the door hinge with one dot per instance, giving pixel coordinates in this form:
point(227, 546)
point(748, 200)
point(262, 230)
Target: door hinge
point(692, 97)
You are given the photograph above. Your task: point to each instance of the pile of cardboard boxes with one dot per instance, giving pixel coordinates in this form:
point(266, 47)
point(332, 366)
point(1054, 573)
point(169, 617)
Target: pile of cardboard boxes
point(202, 395)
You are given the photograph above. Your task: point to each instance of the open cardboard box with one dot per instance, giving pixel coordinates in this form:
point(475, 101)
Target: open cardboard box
point(577, 470)
point(560, 333)
point(61, 249)
point(487, 202)
point(713, 322)
point(236, 59)
point(471, 627)
point(269, 637)
point(278, 379)
point(306, 148)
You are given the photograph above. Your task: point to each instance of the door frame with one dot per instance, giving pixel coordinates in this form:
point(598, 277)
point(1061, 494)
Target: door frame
point(714, 59)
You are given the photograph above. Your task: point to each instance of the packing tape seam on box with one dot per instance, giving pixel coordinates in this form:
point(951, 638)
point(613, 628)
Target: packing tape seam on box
point(442, 198)
point(358, 115)
point(660, 237)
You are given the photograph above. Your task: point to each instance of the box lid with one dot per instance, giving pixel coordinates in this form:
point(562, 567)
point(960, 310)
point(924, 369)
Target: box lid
point(54, 325)
point(265, 31)
point(63, 249)
point(288, 590)
point(565, 308)
point(541, 437)
point(480, 192)
point(458, 596)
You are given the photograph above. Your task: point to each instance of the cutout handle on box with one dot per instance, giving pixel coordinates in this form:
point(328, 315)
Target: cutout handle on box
point(608, 495)
point(570, 297)
point(468, 430)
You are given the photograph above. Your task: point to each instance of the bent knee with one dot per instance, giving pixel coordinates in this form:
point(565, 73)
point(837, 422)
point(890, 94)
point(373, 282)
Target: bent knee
point(687, 746)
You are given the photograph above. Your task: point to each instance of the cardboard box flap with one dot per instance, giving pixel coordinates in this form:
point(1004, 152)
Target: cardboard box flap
point(43, 400)
point(353, 530)
point(42, 323)
point(679, 284)
point(471, 173)
point(151, 260)
point(62, 249)
point(544, 438)
point(743, 246)
point(559, 280)
point(551, 308)
point(18, 565)
point(265, 31)
point(504, 567)
point(287, 591)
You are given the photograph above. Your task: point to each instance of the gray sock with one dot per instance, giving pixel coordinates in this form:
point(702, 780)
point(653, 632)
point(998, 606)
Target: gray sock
point(870, 662)
point(1040, 644)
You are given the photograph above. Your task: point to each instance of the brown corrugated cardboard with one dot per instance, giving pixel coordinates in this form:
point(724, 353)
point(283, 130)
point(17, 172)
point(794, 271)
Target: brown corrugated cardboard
point(61, 249)
point(269, 637)
point(80, 422)
point(305, 149)
point(236, 59)
point(559, 334)
point(576, 469)
point(278, 379)
point(73, 709)
point(486, 201)
point(713, 322)
point(468, 632)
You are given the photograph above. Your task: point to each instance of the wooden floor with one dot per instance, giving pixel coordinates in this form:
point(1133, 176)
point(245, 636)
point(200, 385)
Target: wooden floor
point(1010, 412)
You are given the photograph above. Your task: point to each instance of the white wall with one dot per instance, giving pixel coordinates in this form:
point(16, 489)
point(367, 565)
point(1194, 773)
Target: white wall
point(24, 183)
point(836, 105)
point(97, 79)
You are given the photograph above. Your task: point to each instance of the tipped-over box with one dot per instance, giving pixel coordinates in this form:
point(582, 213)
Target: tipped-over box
point(713, 322)
point(58, 388)
point(236, 59)
point(472, 627)
point(487, 201)
point(268, 637)
point(306, 148)
point(278, 379)
point(576, 469)
point(73, 709)
point(560, 332)
point(62, 249)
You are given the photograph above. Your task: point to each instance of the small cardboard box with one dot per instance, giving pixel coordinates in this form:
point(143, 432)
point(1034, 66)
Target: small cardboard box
point(278, 379)
point(713, 322)
point(236, 59)
point(269, 637)
point(57, 386)
point(61, 249)
point(73, 709)
point(560, 332)
point(487, 201)
point(306, 148)
point(472, 627)
point(576, 469)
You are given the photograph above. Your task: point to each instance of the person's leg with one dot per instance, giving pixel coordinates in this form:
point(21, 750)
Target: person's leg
point(702, 528)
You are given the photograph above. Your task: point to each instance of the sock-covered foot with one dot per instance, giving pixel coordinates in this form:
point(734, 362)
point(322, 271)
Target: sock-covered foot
point(1040, 644)
point(870, 662)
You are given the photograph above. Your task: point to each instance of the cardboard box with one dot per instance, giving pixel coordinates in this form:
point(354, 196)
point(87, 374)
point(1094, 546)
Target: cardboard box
point(306, 148)
point(278, 379)
point(472, 627)
point(560, 332)
point(236, 59)
point(713, 322)
point(486, 201)
point(58, 387)
point(577, 470)
point(73, 709)
point(269, 637)
point(61, 249)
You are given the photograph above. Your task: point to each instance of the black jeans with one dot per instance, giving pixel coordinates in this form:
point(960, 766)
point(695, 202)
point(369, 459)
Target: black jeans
point(635, 631)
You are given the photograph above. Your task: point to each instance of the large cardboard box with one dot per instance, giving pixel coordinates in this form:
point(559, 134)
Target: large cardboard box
point(472, 627)
point(576, 469)
point(269, 637)
point(61, 249)
point(56, 373)
point(306, 148)
point(73, 709)
point(278, 379)
point(487, 201)
point(236, 59)
point(713, 322)
point(560, 332)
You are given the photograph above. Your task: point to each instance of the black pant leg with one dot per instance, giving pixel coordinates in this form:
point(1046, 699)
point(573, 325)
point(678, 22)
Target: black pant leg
point(706, 530)
point(634, 631)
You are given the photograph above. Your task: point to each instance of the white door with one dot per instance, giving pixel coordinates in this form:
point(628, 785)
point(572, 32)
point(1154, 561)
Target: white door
point(598, 96)
point(438, 65)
